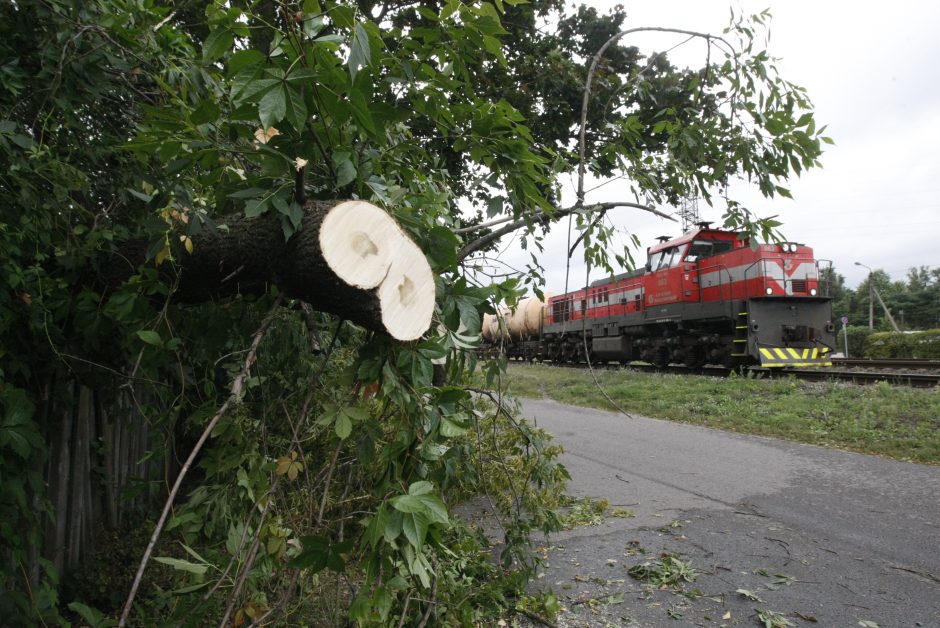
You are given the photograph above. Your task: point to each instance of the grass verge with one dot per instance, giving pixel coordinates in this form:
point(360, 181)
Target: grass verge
point(893, 421)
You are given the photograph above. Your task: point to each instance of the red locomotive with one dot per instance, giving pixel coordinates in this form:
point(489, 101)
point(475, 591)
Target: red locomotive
point(708, 297)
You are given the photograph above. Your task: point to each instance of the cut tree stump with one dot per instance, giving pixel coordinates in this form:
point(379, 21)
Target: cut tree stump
point(348, 258)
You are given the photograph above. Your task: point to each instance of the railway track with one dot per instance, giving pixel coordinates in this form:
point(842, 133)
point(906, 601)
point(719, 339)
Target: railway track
point(915, 373)
point(897, 377)
point(900, 371)
point(888, 363)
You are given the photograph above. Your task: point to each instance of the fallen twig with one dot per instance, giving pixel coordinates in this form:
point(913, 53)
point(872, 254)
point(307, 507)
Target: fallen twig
point(924, 574)
point(536, 618)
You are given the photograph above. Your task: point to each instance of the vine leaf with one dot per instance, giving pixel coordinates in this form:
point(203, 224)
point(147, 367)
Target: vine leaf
point(319, 553)
point(289, 465)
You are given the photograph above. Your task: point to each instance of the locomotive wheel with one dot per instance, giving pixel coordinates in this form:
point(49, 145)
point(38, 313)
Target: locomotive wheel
point(697, 359)
point(661, 359)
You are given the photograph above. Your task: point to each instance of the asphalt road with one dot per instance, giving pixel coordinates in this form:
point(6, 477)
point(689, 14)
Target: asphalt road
point(813, 533)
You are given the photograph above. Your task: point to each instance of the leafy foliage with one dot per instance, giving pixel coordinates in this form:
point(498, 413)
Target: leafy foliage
point(666, 571)
point(924, 345)
point(127, 128)
point(914, 303)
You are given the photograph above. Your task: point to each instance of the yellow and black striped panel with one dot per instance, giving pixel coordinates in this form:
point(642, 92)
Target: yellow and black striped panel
point(788, 356)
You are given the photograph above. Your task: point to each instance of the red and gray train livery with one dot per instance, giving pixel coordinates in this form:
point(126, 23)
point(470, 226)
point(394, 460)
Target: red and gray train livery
point(708, 297)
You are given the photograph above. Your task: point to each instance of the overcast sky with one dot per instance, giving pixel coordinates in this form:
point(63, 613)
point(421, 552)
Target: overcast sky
point(873, 73)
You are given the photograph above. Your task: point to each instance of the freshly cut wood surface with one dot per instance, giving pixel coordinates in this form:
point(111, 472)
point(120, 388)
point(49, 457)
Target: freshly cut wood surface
point(406, 296)
point(358, 241)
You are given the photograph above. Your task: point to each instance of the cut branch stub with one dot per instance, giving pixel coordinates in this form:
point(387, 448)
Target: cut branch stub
point(366, 248)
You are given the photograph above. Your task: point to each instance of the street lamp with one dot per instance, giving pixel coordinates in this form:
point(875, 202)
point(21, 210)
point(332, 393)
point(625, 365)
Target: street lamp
point(871, 296)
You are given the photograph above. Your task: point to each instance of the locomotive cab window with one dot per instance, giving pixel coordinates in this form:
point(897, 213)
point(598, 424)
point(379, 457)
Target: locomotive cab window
point(666, 259)
point(676, 256)
point(655, 260)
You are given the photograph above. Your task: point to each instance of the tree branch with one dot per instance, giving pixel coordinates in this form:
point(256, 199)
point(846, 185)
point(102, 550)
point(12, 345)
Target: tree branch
point(545, 218)
point(586, 98)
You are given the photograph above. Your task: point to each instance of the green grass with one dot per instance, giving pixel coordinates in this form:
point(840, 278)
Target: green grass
point(893, 421)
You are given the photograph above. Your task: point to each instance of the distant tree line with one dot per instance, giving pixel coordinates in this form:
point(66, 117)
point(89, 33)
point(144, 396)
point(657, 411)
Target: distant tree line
point(914, 301)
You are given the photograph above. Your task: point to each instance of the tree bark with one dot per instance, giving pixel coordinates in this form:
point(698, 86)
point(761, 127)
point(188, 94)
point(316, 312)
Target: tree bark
point(343, 260)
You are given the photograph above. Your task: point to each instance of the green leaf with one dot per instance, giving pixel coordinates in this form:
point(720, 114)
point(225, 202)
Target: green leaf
point(356, 414)
point(280, 205)
point(360, 111)
point(450, 8)
point(94, 618)
point(256, 207)
point(416, 367)
point(150, 337)
point(302, 75)
point(217, 44)
point(18, 431)
point(296, 108)
point(193, 553)
point(182, 565)
point(318, 553)
point(435, 509)
point(415, 527)
point(345, 170)
point(253, 89)
point(207, 111)
point(422, 487)
point(433, 349)
point(181, 591)
point(451, 429)
point(443, 247)
point(242, 59)
point(407, 503)
point(420, 567)
point(393, 525)
point(342, 16)
point(296, 214)
point(494, 207)
point(343, 426)
point(249, 193)
point(359, 52)
point(273, 107)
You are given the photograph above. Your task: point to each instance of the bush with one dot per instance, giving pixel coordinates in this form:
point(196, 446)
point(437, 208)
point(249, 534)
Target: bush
point(858, 336)
point(921, 345)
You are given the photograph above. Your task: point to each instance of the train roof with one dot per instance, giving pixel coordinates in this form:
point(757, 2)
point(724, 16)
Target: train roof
point(628, 275)
point(704, 234)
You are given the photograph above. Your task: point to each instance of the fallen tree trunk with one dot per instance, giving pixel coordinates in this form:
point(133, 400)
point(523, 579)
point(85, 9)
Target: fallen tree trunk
point(348, 258)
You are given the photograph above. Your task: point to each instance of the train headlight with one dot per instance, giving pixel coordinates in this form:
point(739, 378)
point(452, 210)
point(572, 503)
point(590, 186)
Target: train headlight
point(791, 247)
point(812, 292)
point(770, 290)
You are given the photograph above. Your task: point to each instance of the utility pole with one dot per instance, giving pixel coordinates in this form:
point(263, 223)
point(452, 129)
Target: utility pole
point(887, 311)
point(871, 296)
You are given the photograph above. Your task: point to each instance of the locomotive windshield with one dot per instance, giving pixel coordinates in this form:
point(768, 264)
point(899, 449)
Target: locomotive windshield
point(701, 249)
